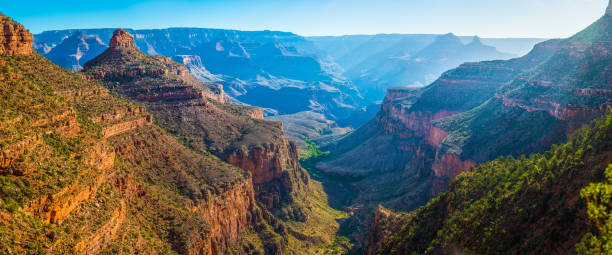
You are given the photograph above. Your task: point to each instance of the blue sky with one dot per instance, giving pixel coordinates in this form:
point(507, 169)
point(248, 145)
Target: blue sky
point(489, 18)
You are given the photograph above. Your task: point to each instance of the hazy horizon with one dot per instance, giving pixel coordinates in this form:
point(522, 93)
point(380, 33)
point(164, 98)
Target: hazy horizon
point(490, 19)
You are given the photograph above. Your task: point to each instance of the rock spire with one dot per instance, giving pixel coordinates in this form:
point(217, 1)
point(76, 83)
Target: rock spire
point(122, 39)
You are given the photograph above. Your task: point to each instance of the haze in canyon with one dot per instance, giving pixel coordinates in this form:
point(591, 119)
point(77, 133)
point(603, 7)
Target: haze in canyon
point(308, 127)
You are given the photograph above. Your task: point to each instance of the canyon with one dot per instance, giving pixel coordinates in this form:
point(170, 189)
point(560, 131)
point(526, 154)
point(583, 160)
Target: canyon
point(184, 106)
point(511, 204)
point(84, 171)
point(210, 141)
point(249, 65)
point(424, 138)
point(16, 40)
point(289, 75)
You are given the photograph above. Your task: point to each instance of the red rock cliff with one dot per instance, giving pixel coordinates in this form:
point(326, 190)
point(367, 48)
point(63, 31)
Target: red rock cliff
point(228, 215)
point(275, 169)
point(228, 212)
point(178, 101)
point(418, 136)
point(14, 38)
point(121, 39)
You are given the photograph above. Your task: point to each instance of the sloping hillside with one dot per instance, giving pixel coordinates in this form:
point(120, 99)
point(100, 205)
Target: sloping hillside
point(68, 185)
point(553, 203)
point(83, 171)
point(423, 138)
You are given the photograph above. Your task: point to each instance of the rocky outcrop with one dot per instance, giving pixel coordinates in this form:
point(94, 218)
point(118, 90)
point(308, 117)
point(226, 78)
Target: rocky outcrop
point(184, 95)
point(54, 208)
point(395, 93)
point(228, 214)
point(14, 38)
point(122, 39)
point(200, 114)
point(449, 166)
point(126, 126)
point(120, 114)
point(104, 235)
point(10, 153)
point(276, 171)
point(381, 227)
point(227, 208)
point(257, 113)
point(125, 74)
point(398, 119)
point(178, 84)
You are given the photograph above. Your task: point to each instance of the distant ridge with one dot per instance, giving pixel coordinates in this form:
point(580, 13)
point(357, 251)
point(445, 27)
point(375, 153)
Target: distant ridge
point(443, 137)
point(279, 66)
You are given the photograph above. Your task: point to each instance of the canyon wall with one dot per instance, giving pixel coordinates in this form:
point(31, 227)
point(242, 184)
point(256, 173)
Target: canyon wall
point(424, 138)
point(228, 208)
point(96, 175)
point(14, 38)
point(527, 105)
point(201, 115)
point(277, 174)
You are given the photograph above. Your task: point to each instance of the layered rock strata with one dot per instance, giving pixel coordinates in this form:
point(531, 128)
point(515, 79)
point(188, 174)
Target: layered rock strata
point(475, 113)
point(200, 114)
point(14, 38)
point(94, 174)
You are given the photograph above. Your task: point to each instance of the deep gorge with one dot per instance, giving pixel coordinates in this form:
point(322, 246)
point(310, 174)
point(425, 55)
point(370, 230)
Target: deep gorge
point(143, 142)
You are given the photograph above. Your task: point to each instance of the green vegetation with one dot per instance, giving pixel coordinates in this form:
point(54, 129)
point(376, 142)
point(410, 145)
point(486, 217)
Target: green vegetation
point(300, 223)
point(314, 150)
point(311, 155)
point(599, 209)
point(524, 205)
point(43, 148)
point(14, 193)
point(51, 123)
point(89, 125)
point(318, 234)
point(595, 32)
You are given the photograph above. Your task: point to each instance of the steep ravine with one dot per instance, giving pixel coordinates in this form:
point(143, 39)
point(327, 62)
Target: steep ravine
point(200, 116)
point(228, 209)
point(423, 138)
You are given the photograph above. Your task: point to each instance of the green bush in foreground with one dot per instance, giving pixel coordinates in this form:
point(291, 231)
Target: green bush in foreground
point(599, 209)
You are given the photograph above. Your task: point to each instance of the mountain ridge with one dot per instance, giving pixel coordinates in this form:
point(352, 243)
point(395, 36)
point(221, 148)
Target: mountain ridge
point(151, 80)
point(416, 67)
point(471, 114)
point(525, 205)
point(239, 61)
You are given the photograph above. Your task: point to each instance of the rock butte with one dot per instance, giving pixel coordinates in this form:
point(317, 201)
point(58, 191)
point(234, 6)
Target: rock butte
point(122, 38)
point(273, 163)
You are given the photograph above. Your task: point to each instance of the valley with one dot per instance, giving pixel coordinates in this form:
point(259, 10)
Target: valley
point(218, 141)
point(289, 75)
